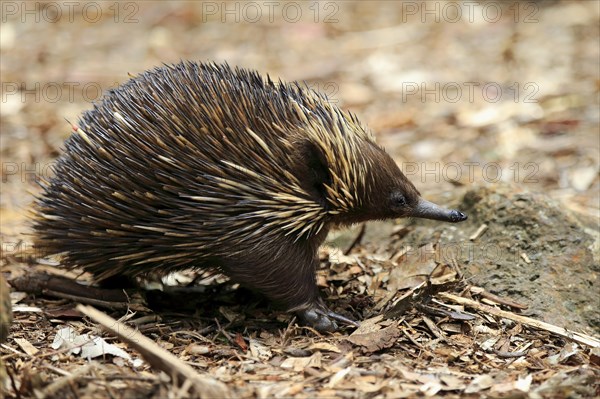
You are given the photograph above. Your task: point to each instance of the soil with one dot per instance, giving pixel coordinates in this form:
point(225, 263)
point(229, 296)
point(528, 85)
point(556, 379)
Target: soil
point(533, 251)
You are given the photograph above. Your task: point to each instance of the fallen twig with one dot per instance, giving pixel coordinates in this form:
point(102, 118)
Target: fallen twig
point(159, 358)
point(499, 300)
point(66, 288)
point(563, 332)
point(357, 239)
point(50, 390)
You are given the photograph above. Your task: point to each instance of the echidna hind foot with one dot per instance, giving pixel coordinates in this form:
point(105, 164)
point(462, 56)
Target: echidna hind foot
point(286, 274)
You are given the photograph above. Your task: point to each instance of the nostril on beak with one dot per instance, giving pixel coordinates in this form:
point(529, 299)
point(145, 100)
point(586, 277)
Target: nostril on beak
point(458, 216)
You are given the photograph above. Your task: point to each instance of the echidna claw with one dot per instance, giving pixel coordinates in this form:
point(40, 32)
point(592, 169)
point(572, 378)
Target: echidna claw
point(323, 319)
point(342, 319)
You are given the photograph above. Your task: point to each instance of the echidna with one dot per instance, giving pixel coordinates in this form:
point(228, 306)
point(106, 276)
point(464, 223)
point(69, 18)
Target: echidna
point(203, 166)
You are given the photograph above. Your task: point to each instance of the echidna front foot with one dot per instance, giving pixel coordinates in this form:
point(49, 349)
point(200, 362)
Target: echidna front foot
point(322, 319)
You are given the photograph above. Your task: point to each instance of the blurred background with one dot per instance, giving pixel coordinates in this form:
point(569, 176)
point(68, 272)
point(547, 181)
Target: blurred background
point(495, 99)
point(460, 94)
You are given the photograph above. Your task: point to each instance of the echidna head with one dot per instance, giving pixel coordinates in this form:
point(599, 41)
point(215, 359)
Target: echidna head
point(387, 193)
point(354, 179)
point(404, 200)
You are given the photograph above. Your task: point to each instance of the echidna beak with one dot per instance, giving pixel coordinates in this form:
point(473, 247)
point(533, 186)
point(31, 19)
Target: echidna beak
point(429, 210)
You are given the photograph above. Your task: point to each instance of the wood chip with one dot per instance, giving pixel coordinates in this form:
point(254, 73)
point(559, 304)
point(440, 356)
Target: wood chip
point(26, 346)
point(479, 232)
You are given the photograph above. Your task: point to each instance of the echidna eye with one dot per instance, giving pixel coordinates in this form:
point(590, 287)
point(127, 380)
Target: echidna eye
point(398, 199)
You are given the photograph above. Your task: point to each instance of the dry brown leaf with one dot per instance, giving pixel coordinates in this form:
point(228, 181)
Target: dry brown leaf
point(300, 363)
point(377, 340)
point(324, 346)
point(480, 383)
point(259, 350)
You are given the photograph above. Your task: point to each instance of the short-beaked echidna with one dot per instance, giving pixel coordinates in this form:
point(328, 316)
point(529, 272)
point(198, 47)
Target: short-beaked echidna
point(203, 166)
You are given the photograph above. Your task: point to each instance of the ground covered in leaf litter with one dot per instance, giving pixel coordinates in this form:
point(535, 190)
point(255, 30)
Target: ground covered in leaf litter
point(437, 345)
